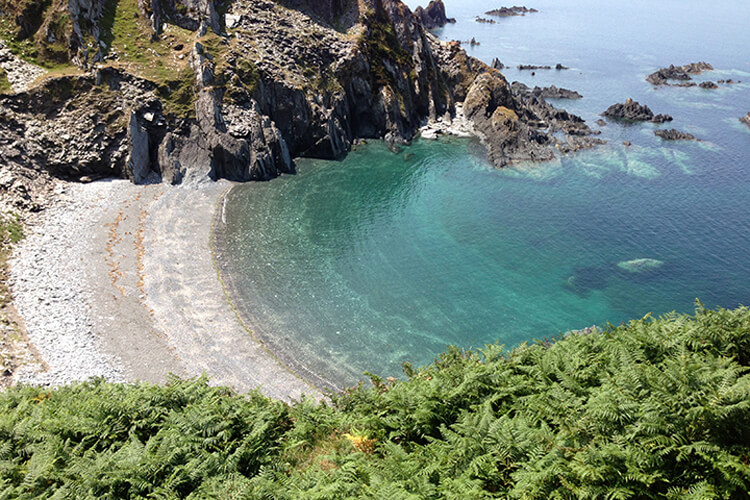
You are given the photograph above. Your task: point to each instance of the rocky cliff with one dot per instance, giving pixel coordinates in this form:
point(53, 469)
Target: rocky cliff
point(175, 90)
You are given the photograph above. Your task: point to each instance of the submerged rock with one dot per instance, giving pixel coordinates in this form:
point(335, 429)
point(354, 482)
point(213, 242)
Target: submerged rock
point(674, 135)
point(586, 279)
point(640, 265)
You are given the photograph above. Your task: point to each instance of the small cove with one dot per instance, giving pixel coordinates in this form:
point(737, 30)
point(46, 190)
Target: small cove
point(385, 258)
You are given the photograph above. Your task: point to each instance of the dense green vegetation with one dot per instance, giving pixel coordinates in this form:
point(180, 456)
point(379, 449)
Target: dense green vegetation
point(651, 409)
point(381, 44)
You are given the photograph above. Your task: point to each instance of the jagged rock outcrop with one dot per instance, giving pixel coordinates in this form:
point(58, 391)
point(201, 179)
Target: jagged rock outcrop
point(550, 92)
point(674, 135)
point(510, 11)
point(490, 106)
point(681, 73)
point(634, 111)
point(433, 16)
point(519, 128)
point(746, 119)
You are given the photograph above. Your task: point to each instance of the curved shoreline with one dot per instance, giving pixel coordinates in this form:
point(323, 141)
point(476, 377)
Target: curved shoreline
point(231, 290)
point(119, 281)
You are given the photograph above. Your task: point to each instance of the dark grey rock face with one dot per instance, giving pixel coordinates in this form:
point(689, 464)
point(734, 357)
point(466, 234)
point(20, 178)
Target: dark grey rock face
point(433, 16)
point(634, 111)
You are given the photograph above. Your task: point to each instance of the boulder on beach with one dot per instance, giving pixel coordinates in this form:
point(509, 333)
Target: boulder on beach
point(640, 265)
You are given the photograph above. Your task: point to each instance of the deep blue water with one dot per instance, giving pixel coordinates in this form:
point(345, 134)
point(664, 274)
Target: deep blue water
point(384, 258)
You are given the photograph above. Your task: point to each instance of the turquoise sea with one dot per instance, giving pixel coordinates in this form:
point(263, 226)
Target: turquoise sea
point(382, 258)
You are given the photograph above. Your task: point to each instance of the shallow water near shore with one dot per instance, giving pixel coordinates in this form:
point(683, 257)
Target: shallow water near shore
point(384, 258)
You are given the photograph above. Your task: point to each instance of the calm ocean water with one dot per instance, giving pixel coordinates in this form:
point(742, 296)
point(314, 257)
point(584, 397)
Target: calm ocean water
point(385, 258)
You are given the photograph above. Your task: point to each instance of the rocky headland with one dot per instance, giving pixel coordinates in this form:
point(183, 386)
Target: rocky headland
point(237, 92)
point(633, 111)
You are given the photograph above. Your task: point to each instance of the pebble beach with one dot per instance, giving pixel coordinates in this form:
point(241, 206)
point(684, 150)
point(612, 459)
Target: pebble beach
point(118, 281)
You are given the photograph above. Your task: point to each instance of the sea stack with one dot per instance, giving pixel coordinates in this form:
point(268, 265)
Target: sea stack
point(433, 16)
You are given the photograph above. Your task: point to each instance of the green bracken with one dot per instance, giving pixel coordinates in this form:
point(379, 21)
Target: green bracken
point(657, 408)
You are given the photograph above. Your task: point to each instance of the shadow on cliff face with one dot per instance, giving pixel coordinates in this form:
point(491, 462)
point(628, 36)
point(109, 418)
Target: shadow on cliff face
point(338, 14)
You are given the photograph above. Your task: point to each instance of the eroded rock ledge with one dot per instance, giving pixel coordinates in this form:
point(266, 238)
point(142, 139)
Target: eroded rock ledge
point(259, 83)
